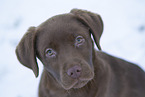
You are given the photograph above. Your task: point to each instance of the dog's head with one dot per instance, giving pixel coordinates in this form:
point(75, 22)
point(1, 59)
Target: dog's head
point(63, 44)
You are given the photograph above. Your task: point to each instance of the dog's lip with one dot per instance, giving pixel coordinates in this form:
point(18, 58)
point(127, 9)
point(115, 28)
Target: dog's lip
point(71, 86)
point(80, 83)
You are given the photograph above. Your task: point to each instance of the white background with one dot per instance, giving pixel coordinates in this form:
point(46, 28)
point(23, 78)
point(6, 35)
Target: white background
point(123, 36)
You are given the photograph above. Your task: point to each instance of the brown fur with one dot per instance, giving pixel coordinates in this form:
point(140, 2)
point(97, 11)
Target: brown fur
point(101, 75)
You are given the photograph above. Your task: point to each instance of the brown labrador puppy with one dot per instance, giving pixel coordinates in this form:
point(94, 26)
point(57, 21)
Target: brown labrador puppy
point(72, 67)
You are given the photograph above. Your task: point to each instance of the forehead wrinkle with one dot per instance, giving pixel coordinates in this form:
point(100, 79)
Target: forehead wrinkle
point(60, 29)
point(55, 38)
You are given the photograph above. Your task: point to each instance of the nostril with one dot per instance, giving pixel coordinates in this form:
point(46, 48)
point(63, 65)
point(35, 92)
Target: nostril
point(71, 74)
point(74, 72)
point(78, 70)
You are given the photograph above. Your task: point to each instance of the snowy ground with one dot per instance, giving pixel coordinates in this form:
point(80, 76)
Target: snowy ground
point(123, 36)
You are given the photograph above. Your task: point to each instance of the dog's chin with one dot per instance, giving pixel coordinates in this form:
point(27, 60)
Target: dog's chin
point(80, 84)
point(76, 84)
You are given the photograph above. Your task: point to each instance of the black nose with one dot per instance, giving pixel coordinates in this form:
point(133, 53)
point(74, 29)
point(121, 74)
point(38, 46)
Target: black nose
point(74, 72)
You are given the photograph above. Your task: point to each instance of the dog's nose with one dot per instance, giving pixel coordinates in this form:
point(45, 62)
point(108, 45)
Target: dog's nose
point(74, 72)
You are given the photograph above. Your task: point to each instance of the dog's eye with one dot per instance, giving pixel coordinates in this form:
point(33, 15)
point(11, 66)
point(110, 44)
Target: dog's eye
point(79, 40)
point(50, 53)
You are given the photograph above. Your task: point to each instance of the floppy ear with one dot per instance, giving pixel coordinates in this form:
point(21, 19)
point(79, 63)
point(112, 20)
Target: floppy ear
point(91, 20)
point(25, 51)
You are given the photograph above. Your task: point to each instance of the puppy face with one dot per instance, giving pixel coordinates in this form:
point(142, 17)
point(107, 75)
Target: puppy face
point(63, 44)
point(65, 48)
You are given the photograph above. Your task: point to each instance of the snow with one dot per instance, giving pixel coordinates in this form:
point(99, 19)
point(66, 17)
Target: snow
point(123, 36)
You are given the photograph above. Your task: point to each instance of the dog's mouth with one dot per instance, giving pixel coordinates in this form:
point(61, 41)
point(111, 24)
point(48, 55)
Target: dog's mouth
point(77, 83)
point(76, 76)
point(80, 84)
